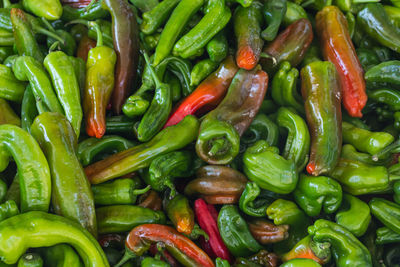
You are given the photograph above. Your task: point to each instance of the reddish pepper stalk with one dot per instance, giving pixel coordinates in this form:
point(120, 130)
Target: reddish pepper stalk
point(207, 95)
point(207, 218)
point(338, 48)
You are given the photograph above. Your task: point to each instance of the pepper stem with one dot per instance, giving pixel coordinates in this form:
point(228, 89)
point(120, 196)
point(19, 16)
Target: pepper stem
point(388, 149)
point(128, 255)
point(307, 3)
point(141, 191)
point(153, 73)
point(98, 32)
point(171, 186)
point(49, 34)
point(216, 147)
point(394, 177)
point(53, 46)
point(47, 24)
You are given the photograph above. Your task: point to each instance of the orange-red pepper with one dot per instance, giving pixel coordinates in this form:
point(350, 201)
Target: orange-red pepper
point(338, 48)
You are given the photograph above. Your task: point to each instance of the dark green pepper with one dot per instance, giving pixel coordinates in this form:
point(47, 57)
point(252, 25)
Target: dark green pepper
point(155, 17)
point(217, 47)
point(69, 44)
point(248, 203)
point(293, 12)
point(202, 70)
point(385, 235)
point(384, 72)
point(88, 13)
point(8, 209)
point(61, 255)
point(30, 260)
point(368, 58)
point(262, 128)
point(28, 109)
point(392, 256)
point(10, 88)
point(389, 97)
point(274, 12)
point(387, 212)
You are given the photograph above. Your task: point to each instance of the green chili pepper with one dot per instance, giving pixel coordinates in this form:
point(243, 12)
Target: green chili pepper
point(174, 27)
point(262, 128)
point(387, 212)
point(217, 47)
point(235, 232)
point(122, 218)
point(313, 193)
point(30, 260)
point(202, 70)
point(155, 17)
point(105, 28)
point(33, 229)
point(80, 71)
point(29, 69)
point(385, 235)
point(354, 215)
point(264, 166)
point(368, 58)
point(221, 263)
point(28, 109)
point(274, 12)
point(152, 262)
point(8, 209)
point(390, 97)
point(49, 9)
point(71, 194)
point(293, 12)
point(350, 152)
point(119, 191)
point(346, 248)
point(61, 255)
point(69, 44)
point(174, 83)
point(384, 72)
point(10, 88)
point(180, 213)
point(33, 170)
point(89, 13)
point(301, 263)
point(394, 14)
point(250, 205)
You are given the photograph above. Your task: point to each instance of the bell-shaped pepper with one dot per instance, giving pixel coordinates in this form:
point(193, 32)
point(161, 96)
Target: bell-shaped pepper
point(298, 139)
point(235, 232)
point(264, 166)
point(250, 205)
point(354, 215)
point(307, 248)
point(273, 12)
point(122, 218)
point(290, 45)
point(138, 157)
point(338, 48)
point(71, 193)
point(346, 248)
point(314, 193)
point(118, 192)
point(217, 185)
point(220, 131)
point(285, 212)
point(385, 235)
point(284, 88)
point(99, 86)
point(266, 232)
point(321, 93)
point(387, 212)
point(247, 22)
point(180, 213)
point(375, 22)
point(7, 114)
point(10, 87)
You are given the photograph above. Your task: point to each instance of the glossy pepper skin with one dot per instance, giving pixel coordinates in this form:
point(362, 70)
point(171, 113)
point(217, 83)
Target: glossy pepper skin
point(183, 249)
point(273, 12)
point(217, 184)
point(122, 218)
point(30, 260)
point(290, 45)
point(264, 166)
point(138, 157)
point(202, 70)
point(314, 193)
point(28, 109)
point(354, 215)
point(220, 131)
point(217, 47)
point(385, 235)
point(217, 15)
point(321, 93)
point(15, 237)
point(95, 11)
point(61, 255)
point(181, 214)
point(387, 212)
point(84, 46)
point(247, 23)
point(249, 204)
point(154, 18)
point(10, 87)
point(262, 128)
point(374, 20)
point(207, 95)
point(8, 209)
point(49, 9)
point(7, 115)
point(306, 248)
point(235, 232)
point(346, 248)
point(384, 72)
point(71, 193)
point(65, 82)
point(266, 232)
point(301, 263)
point(33, 169)
point(27, 68)
point(387, 96)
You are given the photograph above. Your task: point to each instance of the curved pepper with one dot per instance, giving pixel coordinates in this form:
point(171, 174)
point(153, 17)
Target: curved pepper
point(207, 95)
point(217, 15)
point(217, 47)
point(71, 193)
point(385, 235)
point(118, 191)
point(99, 86)
point(122, 218)
point(354, 215)
point(126, 44)
point(61, 255)
point(235, 232)
point(150, 200)
point(349, 152)
point(154, 18)
point(95, 11)
point(261, 128)
point(181, 214)
point(33, 169)
point(298, 139)
point(274, 12)
point(290, 45)
point(385, 72)
point(8, 209)
point(10, 88)
point(293, 12)
point(301, 263)
point(264, 166)
point(321, 93)
point(49, 9)
point(30, 260)
point(338, 48)
point(313, 193)
point(266, 232)
point(28, 109)
point(217, 185)
point(346, 249)
point(183, 249)
point(248, 203)
point(374, 20)
point(29, 69)
point(220, 131)
point(387, 212)
point(285, 212)
point(90, 149)
point(247, 26)
point(7, 115)
point(66, 84)
point(307, 248)
point(389, 97)
point(15, 237)
point(138, 157)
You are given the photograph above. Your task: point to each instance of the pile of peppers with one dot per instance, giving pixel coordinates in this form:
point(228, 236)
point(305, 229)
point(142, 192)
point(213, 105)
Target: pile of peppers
point(200, 133)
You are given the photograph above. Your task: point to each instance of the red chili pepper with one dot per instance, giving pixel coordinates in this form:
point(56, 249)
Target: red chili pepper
point(139, 239)
point(207, 217)
point(84, 47)
point(207, 95)
point(338, 48)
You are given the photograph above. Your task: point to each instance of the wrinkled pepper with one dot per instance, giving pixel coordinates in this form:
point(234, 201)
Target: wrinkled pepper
point(202, 70)
point(266, 232)
point(181, 214)
point(250, 205)
point(8, 209)
point(261, 128)
point(154, 18)
point(217, 47)
point(274, 12)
